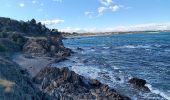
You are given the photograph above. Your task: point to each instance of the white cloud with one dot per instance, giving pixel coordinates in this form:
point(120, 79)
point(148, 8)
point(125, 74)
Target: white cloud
point(71, 30)
point(101, 10)
point(89, 14)
point(115, 8)
point(107, 5)
point(57, 0)
point(52, 22)
point(21, 4)
point(106, 2)
point(121, 28)
point(34, 1)
point(140, 27)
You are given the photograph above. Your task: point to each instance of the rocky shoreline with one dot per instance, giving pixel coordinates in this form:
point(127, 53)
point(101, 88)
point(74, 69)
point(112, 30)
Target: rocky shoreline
point(29, 76)
point(26, 72)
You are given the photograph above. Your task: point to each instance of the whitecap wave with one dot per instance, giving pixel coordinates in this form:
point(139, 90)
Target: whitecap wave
point(135, 46)
point(87, 71)
point(167, 50)
point(156, 91)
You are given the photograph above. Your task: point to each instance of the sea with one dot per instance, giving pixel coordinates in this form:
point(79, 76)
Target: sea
point(114, 59)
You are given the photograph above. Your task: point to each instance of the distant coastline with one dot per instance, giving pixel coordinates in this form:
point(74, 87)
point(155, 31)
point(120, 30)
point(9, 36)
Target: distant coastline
point(74, 34)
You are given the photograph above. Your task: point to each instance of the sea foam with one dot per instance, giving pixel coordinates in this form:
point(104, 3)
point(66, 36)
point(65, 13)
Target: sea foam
point(156, 91)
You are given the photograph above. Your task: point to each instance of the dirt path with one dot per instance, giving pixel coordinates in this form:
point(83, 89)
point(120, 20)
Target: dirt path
point(33, 65)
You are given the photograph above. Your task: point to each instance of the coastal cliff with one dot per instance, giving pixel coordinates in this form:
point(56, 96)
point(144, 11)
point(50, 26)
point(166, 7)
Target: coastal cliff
point(34, 40)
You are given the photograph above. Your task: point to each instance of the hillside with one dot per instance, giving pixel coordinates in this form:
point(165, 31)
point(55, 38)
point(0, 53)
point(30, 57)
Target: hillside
point(26, 28)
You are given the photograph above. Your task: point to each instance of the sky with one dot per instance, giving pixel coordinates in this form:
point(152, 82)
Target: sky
point(91, 15)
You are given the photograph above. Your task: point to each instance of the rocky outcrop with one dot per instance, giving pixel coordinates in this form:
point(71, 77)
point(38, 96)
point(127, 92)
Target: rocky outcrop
point(29, 28)
point(16, 84)
point(6, 45)
point(44, 47)
point(42, 41)
point(139, 84)
point(63, 83)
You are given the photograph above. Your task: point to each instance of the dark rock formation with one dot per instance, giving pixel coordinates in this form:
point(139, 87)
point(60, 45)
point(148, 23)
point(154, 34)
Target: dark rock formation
point(80, 49)
point(139, 83)
point(29, 28)
point(65, 83)
point(16, 84)
point(6, 45)
point(42, 41)
point(42, 47)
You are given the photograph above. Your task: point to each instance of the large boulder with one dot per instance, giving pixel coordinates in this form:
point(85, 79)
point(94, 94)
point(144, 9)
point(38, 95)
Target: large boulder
point(46, 47)
point(64, 82)
point(139, 84)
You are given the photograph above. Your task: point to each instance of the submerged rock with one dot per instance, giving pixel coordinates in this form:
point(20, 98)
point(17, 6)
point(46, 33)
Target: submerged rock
point(139, 83)
point(65, 83)
point(80, 49)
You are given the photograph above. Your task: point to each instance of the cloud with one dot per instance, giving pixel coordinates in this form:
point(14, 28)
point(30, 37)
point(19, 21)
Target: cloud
point(52, 22)
point(57, 0)
point(115, 8)
point(79, 30)
point(101, 10)
point(140, 27)
point(21, 4)
point(34, 1)
point(106, 2)
point(122, 28)
point(107, 5)
point(71, 30)
point(89, 14)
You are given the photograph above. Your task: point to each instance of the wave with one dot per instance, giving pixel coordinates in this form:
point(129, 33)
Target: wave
point(167, 50)
point(156, 91)
point(137, 46)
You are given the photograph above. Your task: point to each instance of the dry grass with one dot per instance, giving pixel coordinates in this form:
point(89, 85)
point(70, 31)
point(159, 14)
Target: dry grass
point(7, 85)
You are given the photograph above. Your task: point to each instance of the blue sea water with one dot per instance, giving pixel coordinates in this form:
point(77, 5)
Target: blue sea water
point(114, 59)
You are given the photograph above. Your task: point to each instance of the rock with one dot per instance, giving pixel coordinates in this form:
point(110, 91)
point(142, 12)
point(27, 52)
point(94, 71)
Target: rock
point(85, 61)
point(45, 47)
point(63, 83)
point(29, 28)
point(16, 83)
point(95, 83)
point(80, 49)
point(6, 45)
point(29, 56)
point(139, 83)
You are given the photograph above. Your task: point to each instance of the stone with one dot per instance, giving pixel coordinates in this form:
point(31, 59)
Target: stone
point(80, 49)
point(94, 82)
point(69, 84)
point(139, 83)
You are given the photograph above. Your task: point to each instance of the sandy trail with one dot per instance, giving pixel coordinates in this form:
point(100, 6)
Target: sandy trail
point(33, 65)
